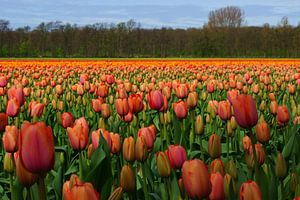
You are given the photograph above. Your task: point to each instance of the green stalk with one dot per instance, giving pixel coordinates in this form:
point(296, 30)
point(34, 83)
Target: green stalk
point(11, 183)
point(42, 188)
point(145, 183)
point(80, 166)
point(28, 197)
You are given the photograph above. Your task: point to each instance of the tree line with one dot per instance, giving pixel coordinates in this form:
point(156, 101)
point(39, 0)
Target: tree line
point(218, 38)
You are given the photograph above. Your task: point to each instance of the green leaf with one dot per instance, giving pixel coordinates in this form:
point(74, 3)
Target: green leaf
point(174, 187)
point(57, 183)
point(289, 146)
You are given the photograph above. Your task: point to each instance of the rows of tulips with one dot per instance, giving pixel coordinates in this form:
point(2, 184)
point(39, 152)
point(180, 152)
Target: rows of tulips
point(150, 130)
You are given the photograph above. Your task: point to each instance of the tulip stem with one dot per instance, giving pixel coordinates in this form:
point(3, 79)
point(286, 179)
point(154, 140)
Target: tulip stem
point(80, 166)
point(28, 197)
point(227, 145)
point(253, 150)
point(11, 183)
point(42, 188)
point(145, 182)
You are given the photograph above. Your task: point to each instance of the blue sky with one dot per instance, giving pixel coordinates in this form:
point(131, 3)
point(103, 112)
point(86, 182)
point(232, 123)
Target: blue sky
point(154, 13)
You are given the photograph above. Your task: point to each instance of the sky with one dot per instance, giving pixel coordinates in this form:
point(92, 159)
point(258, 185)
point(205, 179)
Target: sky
point(150, 14)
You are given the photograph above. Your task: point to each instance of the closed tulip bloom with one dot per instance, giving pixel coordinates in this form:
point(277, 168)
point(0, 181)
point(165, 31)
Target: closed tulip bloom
point(122, 107)
point(16, 93)
point(116, 194)
point(12, 107)
point(128, 118)
point(67, 119)
point(141, 152)
point(36, 147)
point(25, 177)
point(247, 143)
point(155, 99)
point(217, 166)
point(214, 146)
point(75, 189)
point(80, 89)
point(135, 102)
point(260, 155)
point(250, 191)
point(273, 107)
point(210, 87)
point(262, 132)
point(3, 121)
point(181, 91)
point(129, 149)
point(245, 111)
point(148, 135)
point(196, 179)
point(10, 139)
point(115, 143)
point(105, 110)
point(78, 134)
point(127, 179)
point(36, 109)
point(3, 81)
point(180, 109)
point(83, 78)
point(199, 125)
point(192, 100)
point(232, 94)
point(110, 79)
point(283, 115)
point(281, 168)
point(102, 90)
point(217, 191)
point(163, 164)
point(96, 137)
point(96, 105)
point(231, 169)
point(229, 183)
point(224, 110)
point(8, 163)
point(177, 156)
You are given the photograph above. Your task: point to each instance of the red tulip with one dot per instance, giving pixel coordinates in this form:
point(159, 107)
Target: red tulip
point(147, 133)
point(177, 156)
point(217, 192)
point(3, 81)
point(232, 94)
point(105, 110)
point(110, 79)
point(122, 107)
point(102, 90)
point(180, 109)
point(78, 134)
point(224, 110)
point(155, 99)
point(83, 78)
point(75, 189)
point(67, 119)
point(3, 121)
point(36, 147)
point(245, 111)
point(12, 107)
point(210, 87)
point(10, 139)
point(16, 93)
point(135, 103)
point(181, 91)
point(35, 109)
point(283, 115)
point(217, 166)
point(196, 179)
point(249, 191)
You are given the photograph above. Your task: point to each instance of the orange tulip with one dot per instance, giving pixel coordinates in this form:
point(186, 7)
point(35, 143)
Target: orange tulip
point(224, 110)
point(181, 91)
point(16, 93)
point(96, 105)
point(127, 179)
point(36, 147)
point(96, 137)
point(149, 134)
point(78, 134)
point(245, 111)
point(75, 189)
point(122, 107)
point(262, 132)
point(10, 139)
point(135, 102)
point(214, 146)
point(192, 100)
point(105, 110)
point(283, 115)
point(273, 107)
point(67, 119)
point(141, 152)
point(217, 191)
point(180, 109)
point(12, 107)
point(128, 149)
point(35, 109)
point(102, 90)
point(217, 166)
point(249, 191)
point(163, 164)
point(115, 143)
point(196, 179)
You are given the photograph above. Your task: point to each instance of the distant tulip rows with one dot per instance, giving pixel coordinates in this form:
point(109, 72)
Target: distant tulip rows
point(218, 129)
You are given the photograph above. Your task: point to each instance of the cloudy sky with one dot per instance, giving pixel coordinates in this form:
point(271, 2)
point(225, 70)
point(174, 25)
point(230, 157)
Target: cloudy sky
point(151, 13)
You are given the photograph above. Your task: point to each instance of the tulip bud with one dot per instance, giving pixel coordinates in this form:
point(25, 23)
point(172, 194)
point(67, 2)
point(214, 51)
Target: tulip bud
point(101, 123)
point(231, 169)
point(90, 151)
point(262, 106)
point(115, 143)
point(8, 163)
point(163, 164)
point(250, 190)
point(229, 132)
point(177, 156)
point(127, 179)
point(224, 110)
point(214, 146)
point(293, 181)
point(180, 109)
point(217, 184)
point(283, 115)
point(10, 139)
point(129, 149)
point(196, 179)
point(229, 186)
point(262, 132)
point(141, 152)
point(192, 100)
point(217, 166)
point(281, 168)
point(117, 194)
point(199, 125)
point(105, 110)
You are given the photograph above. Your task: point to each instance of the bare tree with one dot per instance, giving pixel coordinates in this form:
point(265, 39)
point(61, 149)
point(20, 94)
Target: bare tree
point(230, 16)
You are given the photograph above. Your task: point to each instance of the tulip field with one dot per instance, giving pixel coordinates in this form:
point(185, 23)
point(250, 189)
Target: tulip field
point(150, 129)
